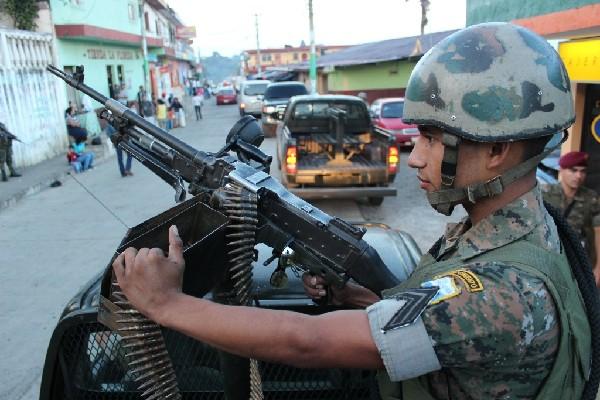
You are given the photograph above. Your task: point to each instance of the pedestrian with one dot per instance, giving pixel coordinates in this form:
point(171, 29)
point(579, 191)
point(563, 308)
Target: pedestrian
point(141, 100)
point(178, 113)
point(363, 96)
point(6, 153)
point(492, 310)
point(198, 102)
point(579, 205)
point(162, 113)
point(124, 167)
point(80, 159)
point(122, 96)
point(74, 129)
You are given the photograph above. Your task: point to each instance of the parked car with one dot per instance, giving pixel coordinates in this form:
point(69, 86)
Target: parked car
point(387, 114)
point(327, 147)
point(251, 97)
point(275, 102)
point(226, 95)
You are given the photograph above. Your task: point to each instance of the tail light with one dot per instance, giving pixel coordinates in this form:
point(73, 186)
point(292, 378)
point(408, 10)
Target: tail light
point(291, 160)
point(393, 158)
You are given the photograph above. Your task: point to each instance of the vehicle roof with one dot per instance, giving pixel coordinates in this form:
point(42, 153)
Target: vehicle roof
point(286, 83)
point(388, 99)
point(256, 81)
point(325, 97)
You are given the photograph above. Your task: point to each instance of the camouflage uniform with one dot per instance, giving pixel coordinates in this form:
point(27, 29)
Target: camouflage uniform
point(499, 342)
point(583, 216)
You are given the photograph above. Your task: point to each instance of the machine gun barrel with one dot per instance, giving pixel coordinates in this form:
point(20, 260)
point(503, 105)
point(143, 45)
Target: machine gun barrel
point(119, 109)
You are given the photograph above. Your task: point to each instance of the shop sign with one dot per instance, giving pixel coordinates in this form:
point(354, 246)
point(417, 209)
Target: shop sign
point(185, 32)
point(103, 54)
point(582, 59)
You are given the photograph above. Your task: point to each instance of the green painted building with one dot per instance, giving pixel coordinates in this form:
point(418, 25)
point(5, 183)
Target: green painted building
point(380, 69)
point(104, 37)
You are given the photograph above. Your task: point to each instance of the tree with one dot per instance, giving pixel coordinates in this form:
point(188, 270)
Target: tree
point(424, 9)
point(23, 12)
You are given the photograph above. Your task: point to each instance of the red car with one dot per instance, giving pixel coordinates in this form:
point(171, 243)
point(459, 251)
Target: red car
point(387, 114)
point(226, 96)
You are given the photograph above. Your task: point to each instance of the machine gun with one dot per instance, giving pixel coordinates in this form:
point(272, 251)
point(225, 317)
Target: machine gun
point(232, 190)
point(324, 245)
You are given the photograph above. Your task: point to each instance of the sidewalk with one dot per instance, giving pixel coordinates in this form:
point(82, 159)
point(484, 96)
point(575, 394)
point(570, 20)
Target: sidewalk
point(39, 177)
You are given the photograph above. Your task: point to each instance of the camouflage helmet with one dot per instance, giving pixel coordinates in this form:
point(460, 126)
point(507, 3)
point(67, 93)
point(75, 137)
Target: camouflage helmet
point(491, 82)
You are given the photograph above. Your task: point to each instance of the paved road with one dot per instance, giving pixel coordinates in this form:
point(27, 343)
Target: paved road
point(53, 242)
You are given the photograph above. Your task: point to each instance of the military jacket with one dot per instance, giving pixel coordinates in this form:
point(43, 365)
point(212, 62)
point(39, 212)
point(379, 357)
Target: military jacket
point(496, 337)
point(583, 213)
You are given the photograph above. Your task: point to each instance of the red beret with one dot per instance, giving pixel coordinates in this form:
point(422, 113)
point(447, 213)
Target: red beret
point(573, 159)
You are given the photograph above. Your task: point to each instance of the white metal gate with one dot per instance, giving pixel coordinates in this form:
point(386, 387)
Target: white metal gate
point(31, 99)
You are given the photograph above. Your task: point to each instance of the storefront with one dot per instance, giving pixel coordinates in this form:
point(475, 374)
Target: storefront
point(582, 59)
point(106, 66)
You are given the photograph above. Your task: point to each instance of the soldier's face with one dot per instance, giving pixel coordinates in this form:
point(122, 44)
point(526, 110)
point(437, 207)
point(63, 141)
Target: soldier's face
point(573, 177)
point(426, 156)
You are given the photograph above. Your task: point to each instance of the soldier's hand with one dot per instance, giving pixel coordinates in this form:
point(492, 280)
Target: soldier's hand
point(149, 279)
point(350, 295)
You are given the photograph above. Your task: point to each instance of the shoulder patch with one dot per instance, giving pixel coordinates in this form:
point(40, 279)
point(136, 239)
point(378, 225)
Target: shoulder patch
point(447, 288)
point(412, 302)
point(471, 281)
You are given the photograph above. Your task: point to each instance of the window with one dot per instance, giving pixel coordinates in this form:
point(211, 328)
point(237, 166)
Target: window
point(131, 9)
point(304, 56)
point(147, 22)
point(295, 56)
point(158, 30)
point(392, 110)
point(265, 57)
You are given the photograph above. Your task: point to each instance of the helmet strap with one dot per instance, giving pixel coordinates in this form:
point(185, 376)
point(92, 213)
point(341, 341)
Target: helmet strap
point(445, 199)
point(448, 170)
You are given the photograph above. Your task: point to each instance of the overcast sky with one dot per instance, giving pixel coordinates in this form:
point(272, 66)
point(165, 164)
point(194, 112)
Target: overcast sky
point(228, 26)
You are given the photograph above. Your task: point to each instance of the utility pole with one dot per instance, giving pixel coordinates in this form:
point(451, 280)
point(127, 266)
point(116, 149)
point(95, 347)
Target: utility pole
point(313, 52)
point(144, 48)
point(258, 65)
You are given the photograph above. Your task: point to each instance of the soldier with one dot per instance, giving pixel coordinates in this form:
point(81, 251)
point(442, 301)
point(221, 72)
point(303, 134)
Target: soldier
point(492, 310)
point(6, 155)
point(579, 204)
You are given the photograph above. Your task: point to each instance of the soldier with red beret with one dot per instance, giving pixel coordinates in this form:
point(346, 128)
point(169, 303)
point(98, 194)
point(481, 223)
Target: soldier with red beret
point(580, 205)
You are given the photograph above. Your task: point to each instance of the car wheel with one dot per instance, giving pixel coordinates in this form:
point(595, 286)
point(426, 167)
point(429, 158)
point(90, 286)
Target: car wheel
point(375, 201)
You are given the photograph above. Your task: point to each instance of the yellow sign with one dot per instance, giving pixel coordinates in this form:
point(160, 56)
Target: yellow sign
point(582, 59)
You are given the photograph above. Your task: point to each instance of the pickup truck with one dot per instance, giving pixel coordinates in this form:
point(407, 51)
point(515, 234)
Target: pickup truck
point(327, 147)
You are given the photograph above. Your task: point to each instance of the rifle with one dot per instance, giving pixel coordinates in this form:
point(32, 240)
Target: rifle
point(233, 192)
point(5, 134)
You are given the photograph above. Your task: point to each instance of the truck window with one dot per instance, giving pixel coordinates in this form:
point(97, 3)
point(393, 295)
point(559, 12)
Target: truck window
point(392, 110)
point(285, 92)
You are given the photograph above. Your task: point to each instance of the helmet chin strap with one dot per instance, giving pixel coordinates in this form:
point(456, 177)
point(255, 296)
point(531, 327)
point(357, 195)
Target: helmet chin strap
point(444, 200)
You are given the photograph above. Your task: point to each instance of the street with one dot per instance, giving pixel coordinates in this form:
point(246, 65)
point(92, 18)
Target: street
point(55, 241)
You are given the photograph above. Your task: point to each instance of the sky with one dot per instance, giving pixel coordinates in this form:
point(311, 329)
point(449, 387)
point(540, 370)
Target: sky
point(228, 26)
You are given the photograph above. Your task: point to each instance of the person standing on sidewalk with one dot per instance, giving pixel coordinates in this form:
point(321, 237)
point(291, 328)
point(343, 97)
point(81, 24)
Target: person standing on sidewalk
point(579, 205)
point(6, 155)
point(124, 168)
point(198, 102)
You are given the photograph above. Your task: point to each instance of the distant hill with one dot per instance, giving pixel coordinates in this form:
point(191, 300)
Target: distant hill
point(218, 68)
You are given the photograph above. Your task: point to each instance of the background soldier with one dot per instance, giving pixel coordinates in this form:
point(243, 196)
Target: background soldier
point(492, 311)
point(580, 205)
point(6, 155)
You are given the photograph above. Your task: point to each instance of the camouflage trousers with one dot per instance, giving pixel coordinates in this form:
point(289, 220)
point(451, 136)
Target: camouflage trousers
point(6, 157)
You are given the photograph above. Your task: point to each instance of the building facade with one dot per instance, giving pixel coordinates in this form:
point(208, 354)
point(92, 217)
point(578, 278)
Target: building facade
point(282, 57)
point(575, 27)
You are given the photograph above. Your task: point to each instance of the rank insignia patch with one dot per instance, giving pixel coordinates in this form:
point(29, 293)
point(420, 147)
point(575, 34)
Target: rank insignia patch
point(471, 281)
point(447, 288)
point(413, 302)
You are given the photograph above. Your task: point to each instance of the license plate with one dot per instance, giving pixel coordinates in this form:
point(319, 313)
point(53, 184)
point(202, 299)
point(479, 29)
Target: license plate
point(225, 101)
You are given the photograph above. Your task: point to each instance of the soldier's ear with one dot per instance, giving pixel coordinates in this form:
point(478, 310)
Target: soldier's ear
point(498, 154)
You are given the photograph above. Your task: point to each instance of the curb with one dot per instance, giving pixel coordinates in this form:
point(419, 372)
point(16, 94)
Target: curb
point(101, 155)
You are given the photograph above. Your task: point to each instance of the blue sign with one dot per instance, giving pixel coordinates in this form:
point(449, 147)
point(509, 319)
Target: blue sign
point(596, 128)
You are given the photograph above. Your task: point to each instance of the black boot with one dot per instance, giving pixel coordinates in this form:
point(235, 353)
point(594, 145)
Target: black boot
point(4, 177)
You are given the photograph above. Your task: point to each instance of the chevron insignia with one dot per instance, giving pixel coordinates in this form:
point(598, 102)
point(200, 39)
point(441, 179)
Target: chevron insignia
point(413, 302)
